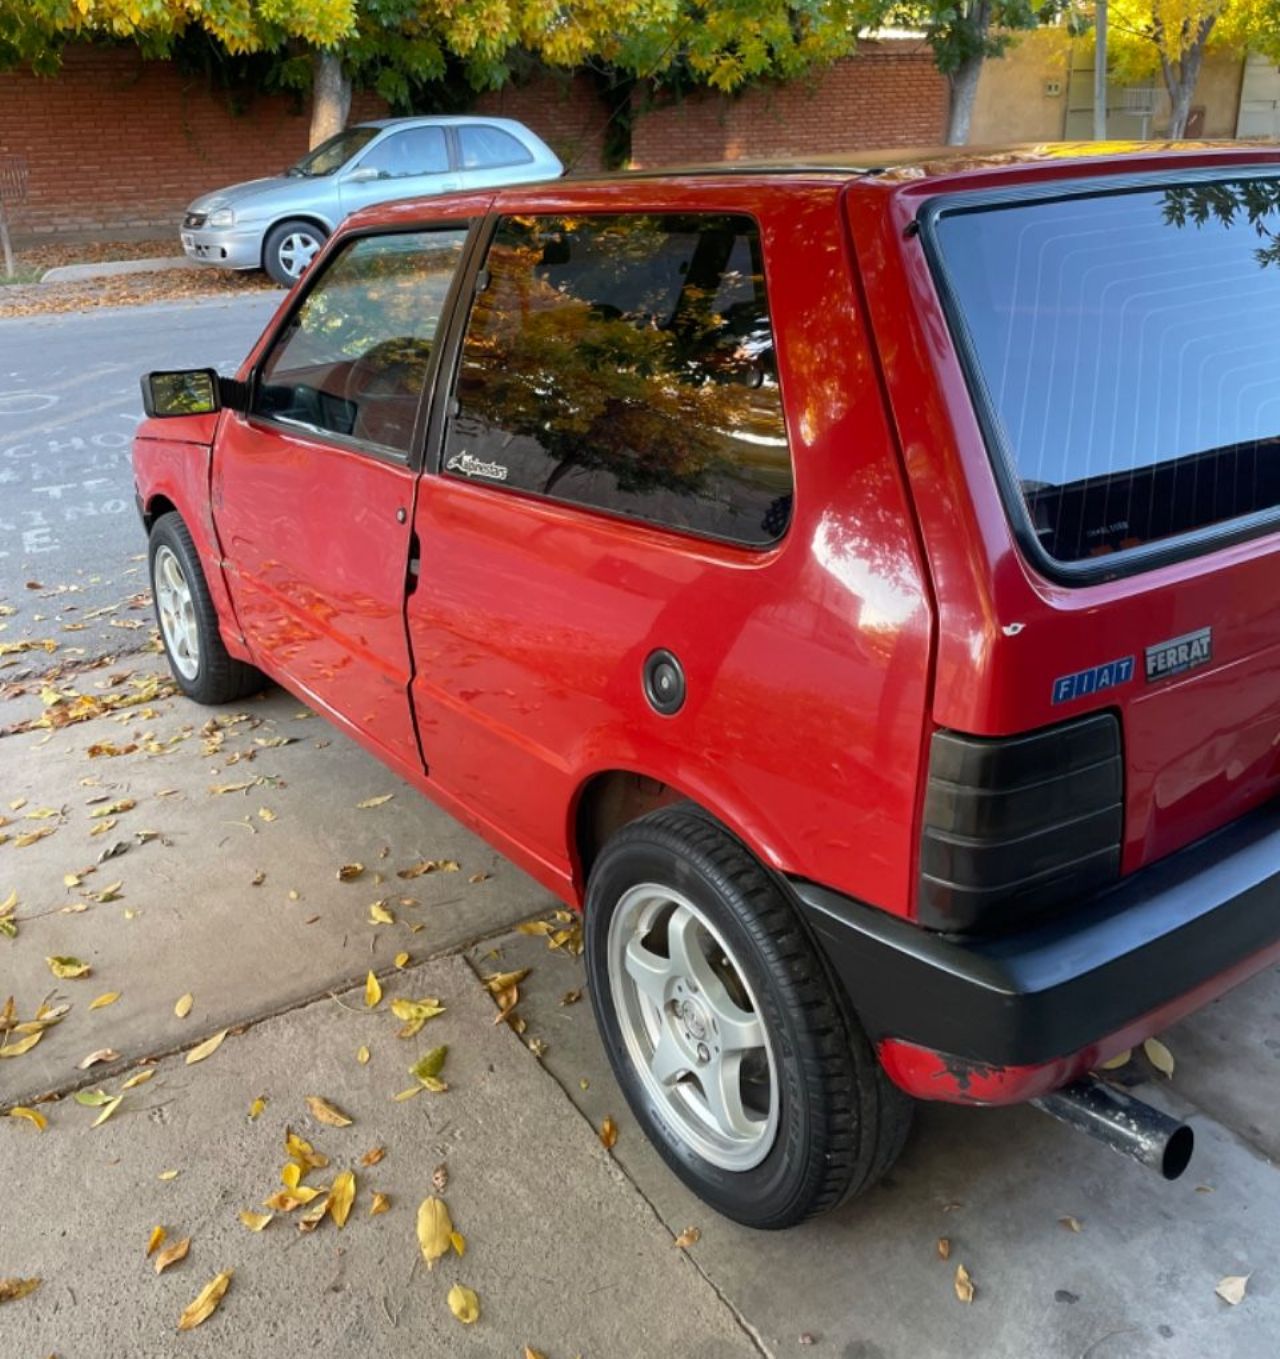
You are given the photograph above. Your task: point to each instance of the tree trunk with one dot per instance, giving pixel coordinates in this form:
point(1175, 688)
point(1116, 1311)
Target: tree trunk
point(964, 87)
point(1180, 78)
point(330, 96)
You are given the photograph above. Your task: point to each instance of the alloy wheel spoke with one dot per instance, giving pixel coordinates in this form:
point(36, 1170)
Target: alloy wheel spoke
point(685, 947)
point(721, 1083)
point(738, 1030)
point(668, 1062)
point(650, 971)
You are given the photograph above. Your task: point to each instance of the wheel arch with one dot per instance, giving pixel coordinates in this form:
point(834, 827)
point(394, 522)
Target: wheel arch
point(310, 218)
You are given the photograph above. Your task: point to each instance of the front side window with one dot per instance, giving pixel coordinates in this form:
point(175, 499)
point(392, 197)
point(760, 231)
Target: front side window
point(482, 147)
point(352, 359)
point(333, 154)
point(627, 363)
point(1127, 348)
point(415, 151)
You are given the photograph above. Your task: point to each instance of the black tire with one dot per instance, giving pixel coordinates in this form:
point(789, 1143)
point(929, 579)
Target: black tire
point(276, 254)
point(841, 1123)
point(218, 676)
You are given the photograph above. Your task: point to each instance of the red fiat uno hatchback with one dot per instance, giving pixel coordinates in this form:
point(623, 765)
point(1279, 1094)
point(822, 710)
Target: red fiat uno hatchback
point(853, 584)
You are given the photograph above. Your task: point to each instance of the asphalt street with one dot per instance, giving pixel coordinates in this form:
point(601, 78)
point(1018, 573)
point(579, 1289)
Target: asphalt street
point(69, 404)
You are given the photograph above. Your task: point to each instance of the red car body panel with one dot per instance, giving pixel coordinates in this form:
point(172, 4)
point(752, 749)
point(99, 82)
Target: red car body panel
point(897, 601)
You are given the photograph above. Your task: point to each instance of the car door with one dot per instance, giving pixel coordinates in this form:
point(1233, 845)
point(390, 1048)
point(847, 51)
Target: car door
point(410, 163)
point(313, 485)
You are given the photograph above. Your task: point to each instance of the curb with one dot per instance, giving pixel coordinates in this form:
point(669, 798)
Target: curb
point(77, 273)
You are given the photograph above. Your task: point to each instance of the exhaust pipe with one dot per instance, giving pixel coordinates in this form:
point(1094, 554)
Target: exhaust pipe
point(1123, 1123)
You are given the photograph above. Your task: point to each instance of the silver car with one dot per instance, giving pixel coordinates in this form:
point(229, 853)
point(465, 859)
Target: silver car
point(279, 223)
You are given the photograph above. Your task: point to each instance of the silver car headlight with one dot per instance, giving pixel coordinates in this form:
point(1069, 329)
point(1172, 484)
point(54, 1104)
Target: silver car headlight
point(224, 217)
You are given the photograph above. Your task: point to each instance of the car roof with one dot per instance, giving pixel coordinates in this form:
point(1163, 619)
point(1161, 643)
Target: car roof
point(934, 162)
point(443, 119)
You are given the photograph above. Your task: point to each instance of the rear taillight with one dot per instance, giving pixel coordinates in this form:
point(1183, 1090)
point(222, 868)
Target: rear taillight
point(1018, 827)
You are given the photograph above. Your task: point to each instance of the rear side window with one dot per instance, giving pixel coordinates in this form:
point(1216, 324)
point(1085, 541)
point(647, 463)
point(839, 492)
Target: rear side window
point(482, 147)
point(1126, 347)
point(627, 363)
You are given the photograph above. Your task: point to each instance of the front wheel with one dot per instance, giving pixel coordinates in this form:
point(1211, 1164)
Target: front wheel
point(289, 249)
point(730, 1040)
point(203, 667)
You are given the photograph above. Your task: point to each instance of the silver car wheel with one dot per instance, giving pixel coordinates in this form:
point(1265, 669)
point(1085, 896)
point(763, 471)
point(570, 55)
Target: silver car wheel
point(692, 1027)
point(296, 251)
point(176, 607)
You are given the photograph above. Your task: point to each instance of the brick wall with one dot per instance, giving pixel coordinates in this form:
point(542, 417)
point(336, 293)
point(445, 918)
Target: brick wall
point(114, 141)
point(887, 94)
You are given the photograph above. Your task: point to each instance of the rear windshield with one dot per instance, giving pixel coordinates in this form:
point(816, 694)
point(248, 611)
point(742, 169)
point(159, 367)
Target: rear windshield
point(1126, 348)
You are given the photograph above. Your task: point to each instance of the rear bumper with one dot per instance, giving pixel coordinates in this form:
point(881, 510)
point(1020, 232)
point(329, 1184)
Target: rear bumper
point(994, 1021)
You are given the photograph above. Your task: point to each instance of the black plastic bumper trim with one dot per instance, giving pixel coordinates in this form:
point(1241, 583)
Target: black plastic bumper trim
point(1039, 994)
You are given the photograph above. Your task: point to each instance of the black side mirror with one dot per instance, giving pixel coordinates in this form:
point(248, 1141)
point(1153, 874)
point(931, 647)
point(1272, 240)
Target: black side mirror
point(192, 391)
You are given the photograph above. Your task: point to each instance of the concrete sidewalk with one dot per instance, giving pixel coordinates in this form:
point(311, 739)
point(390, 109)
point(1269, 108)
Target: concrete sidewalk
point(564, 1254)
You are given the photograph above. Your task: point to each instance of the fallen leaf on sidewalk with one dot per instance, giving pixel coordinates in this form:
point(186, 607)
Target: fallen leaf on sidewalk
point(1159, 1056)
point(608, 1134)
point(182, 1008)
point(102, 1055)
point(138, 1078)
point(168, 1175)
point(33, 1116)
point(428, 1067)
point(362, 1055)
point(380, 1204)
point(257, 1107)
point(464, 1304)
point(172, 1254)
point(68, 969)
point(435, 1228)
point(944, 1248)
point(206, 1049)
point(401, 960)
point(1232, 1288)
point(342, 1196)
point(125, 804)
point(156, 1239)
point(266, 814)
point(415, 1013)
point(206, 1302)
point(31, 837)
point(374, 801)
point(255, 1222)
point(425, 866)
point(301, 1151)
point(379, 915)
point(324, 1112)
point(350, 872)
point(13, 1289)
point(101, 1002)
point(531, 1353)
point(373, 1156)
point(1070, 1223)
point(372, 991)
point(964, 1285)
point(689, 1237)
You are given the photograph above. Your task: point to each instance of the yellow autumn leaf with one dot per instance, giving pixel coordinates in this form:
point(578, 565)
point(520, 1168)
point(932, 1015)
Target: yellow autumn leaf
point(372, 991)
point(303, 1152)
point(1159, 1056)
point(375, 801)
point(138, 1078)
point(207, 1048)
point(8, 1049)
point(689, 1237)
point(362, 1055)
point(342, 1196)
point(314, 1215)
point(182, 1007)
point(13, 1289)
point(373, 1156)
point(102, 1001)
point(464, 1304)
point(255, 1222)
point(350, 872)
point(33, 1116)
point(266, 814)
point(379, 915)
point(458, 1242)
point(380, 1204)
point(286, 1200)
point(435, 1227)
point(1232, 1288)
point(68, 969)
point(324, 1112)
point(156, 1239)
point(402, 960)
point(531, 1353)
point(168, 1175)
point(964, 1285)
point(608, 1134)
point(172, 1254)
point(257, 1107)
point(206, 1301)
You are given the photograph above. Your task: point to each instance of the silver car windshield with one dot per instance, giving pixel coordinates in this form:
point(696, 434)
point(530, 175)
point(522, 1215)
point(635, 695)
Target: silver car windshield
point(333, 154)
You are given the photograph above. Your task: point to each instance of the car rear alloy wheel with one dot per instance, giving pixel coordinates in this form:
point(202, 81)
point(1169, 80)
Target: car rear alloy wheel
point(203, 667)
point(735, 1047)
point(289, 249)
point(692, 1026)
point(177, 613)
